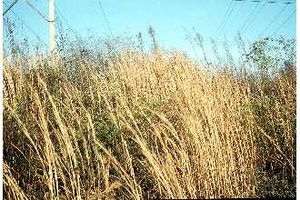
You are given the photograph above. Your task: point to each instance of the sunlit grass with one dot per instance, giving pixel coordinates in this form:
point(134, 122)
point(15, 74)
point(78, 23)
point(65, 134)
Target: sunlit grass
point(145, 126)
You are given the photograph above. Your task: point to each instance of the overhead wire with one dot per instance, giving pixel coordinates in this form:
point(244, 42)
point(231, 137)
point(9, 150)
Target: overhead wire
point(37, 11)
point(62, 17)
point(268, 1)
point(274, 19)
point(225, 15)
point(29, 28)
point(254, 16)
point(250, 16)
point(9, 7)
point(238, 11)
point(105, 18)
point(284, 22)
point(228, 16)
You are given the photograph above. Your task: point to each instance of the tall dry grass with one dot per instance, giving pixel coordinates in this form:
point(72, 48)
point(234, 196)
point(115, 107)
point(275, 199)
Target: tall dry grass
point(149, 125)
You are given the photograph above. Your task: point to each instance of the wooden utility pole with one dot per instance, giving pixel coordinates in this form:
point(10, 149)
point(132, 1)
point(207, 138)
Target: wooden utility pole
point(52, 25)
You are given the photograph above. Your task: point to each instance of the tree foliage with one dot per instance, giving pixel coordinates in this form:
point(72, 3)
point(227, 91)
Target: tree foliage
point(268, 53)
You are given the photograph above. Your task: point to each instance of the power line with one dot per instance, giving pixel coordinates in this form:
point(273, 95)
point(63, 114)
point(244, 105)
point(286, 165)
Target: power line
point(105, 18)
point(284, 22)
point(255, 15)
point(268, 2)
point(274, 19)
point(228, 16)
point(286, 2)
point(225, 15)
point(10, 6)
point(250, 15)
point(65, 20)
point(37, 11)
point(57, 11)
point(238, 11)
point(28, 27)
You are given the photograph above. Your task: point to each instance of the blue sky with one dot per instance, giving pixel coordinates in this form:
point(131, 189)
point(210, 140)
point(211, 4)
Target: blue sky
point(175, 21)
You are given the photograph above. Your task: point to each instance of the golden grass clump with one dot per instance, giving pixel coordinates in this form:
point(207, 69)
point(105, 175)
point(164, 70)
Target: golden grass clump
point(148, 126)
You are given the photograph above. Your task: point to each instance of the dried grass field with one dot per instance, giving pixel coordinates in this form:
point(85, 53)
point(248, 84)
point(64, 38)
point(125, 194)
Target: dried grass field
point(145, 125)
